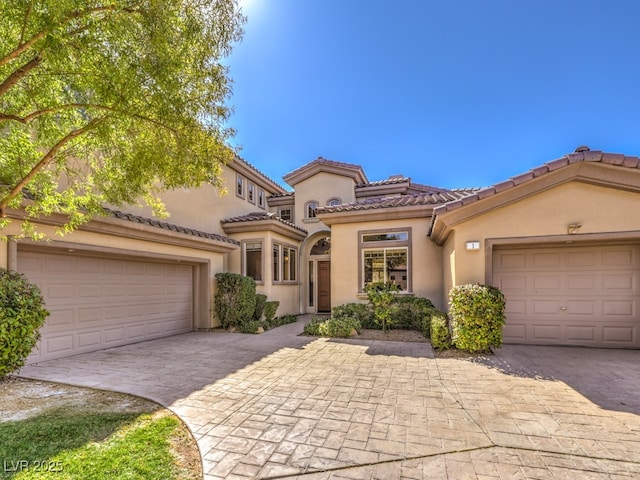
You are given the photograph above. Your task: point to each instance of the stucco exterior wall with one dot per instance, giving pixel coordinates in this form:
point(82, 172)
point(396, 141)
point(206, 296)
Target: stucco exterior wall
point(286, 293)
point(209, 262)
point(202, 208)
point(321, 188)
point(598, 209)
point(426, 260)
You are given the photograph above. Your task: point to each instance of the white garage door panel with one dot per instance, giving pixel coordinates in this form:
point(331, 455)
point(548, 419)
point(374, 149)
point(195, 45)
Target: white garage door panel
point(571, 295)
point(97, 303)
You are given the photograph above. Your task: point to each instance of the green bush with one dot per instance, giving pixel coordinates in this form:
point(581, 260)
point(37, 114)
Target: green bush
point(410, 313)
point(477, 317)
point(21, 316)
point(260, 301)
point(278, 321)
point(251, 326)
point(382, 297)
point(360, 311)
point(440, 336)
point(270, 309)
point(235, 299)
point(341, 327)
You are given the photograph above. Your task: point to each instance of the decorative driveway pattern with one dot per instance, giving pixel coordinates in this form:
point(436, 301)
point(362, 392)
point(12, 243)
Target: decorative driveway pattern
point(278, 405)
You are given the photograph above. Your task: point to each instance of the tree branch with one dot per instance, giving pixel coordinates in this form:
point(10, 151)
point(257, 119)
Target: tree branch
point(26, 45)
point(50, 155)
point(28, 118)
point(15, 77)
point(26, 20)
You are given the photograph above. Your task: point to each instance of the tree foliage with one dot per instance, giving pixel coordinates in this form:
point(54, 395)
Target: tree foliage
point(111, 101)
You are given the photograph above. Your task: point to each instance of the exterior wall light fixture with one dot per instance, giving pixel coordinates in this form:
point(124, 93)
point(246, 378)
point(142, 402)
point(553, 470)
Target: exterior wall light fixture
point(573, 228)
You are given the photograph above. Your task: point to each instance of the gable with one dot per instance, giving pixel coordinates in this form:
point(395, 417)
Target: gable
point(578, 191)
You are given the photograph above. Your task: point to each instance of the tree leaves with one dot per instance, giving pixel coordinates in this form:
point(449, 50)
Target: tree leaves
point(108, 101)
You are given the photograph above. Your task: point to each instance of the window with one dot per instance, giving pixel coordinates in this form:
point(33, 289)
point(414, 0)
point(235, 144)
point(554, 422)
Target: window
point(385, 237)
point(261, 198)
point(386, 265)
point(284, 263)
point(251, 193)
point(276, 262)
point(334, 202)
point(385, 256)
point(286, 213)
point(253, 259)
point(240, 186)
point(310, 209)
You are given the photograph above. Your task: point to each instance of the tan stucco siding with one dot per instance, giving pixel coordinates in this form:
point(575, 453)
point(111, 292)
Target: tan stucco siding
point(598, 209)
point(321, 188)
point(286, 293)
point(202, 208)
point(426, 260)
point(96, 243)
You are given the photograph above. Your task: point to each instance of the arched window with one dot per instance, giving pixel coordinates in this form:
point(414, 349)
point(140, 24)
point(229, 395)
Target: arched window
point(334, 202)
point(310, 209)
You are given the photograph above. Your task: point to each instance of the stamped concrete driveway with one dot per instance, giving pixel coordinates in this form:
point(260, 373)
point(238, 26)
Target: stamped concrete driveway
point(279, 405)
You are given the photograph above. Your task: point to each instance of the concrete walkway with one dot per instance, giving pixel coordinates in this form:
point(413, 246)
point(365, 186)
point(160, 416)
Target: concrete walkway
point(279, 405)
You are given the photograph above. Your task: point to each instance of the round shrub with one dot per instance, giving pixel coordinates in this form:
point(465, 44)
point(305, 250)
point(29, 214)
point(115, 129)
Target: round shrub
point(21, 316)
point(477, 317)
point(360, 311)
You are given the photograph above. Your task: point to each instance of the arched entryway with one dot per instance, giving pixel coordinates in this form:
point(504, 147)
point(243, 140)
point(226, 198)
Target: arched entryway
point(317, 288)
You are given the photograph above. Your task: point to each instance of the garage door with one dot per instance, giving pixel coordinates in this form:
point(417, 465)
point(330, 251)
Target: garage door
point(97, 303)
point(570, 295)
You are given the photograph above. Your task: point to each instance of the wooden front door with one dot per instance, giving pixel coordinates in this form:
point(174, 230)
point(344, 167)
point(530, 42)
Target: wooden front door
point(324, 286)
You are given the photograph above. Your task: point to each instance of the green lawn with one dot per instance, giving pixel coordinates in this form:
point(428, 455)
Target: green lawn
point(72, 443)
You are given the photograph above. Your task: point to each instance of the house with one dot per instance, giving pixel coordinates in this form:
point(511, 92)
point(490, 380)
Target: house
point(562, 241)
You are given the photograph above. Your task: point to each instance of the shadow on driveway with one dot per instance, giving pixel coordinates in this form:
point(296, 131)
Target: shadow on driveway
point(609, 378)
point(168, 369)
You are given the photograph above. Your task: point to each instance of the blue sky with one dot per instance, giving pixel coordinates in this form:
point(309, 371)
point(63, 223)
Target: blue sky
point(452, 93)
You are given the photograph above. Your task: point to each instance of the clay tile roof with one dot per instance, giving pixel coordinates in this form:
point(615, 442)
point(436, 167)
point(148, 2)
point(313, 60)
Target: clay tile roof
point(261, 216)
point(321, 163)
point(582, 154)
point(388, 181)
point(268, 179)
point(169, 226)
point(280, 195)
point(397, 201)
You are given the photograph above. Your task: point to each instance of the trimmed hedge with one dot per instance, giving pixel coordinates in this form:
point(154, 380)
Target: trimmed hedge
point(410, 313)
point(334, 327)
point(260, 302)
point(477, 317)
point(21, 316)
point(235, 299)
point(439, 326)
point(270, 309)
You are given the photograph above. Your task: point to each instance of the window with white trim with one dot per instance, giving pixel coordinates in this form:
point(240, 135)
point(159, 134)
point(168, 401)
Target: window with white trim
point(284, 263)
point(251, 193)
point(385, 257)
point(252, 259)
point(334, 202)
point(260, 198)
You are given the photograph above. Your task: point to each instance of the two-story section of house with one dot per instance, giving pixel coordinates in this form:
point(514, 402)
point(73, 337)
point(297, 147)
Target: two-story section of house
point(561, 241)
